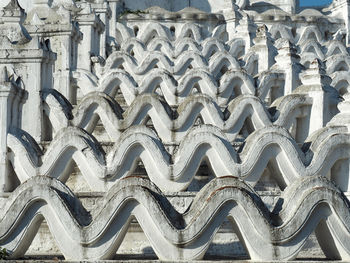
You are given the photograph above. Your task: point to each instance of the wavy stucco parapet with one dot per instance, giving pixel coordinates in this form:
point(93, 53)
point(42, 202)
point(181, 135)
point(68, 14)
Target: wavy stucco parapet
point(183, 115)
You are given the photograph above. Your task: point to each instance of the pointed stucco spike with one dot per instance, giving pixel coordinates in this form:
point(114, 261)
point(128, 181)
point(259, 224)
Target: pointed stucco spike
point(87, 9)
point(343, 117)
point(3, 75)
point(261, 31)
point(13, 5)
point(68, 4)
point(36, 21)
point(316, 64)
point(282, 43)
point(344, 106)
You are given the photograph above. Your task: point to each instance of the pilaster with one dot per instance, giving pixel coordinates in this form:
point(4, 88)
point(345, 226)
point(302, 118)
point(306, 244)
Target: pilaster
point(105, 14)
point(92, 27)
point(263, 48)
point(34, 63)
point(10, 96)
point(59, 27)
point(116, 7)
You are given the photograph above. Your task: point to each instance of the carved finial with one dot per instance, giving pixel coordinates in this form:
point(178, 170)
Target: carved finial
point(12, 28)
point(36, 21)
point(13, 9)
point(284, 46)
point(343, 117)
point(3, 75)
point(316, 74)
point(86, 10)
point(317, 66)
point(287, 52)
point(282, 43)
point(344, 106)
point(262, 35)
point(68, 4)
point(261, 31)
point(13, 5)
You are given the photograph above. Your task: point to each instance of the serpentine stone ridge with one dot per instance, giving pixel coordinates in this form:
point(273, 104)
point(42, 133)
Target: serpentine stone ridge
point(174, 130)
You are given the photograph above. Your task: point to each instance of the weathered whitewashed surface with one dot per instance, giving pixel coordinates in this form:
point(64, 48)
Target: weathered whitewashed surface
point(177, 130)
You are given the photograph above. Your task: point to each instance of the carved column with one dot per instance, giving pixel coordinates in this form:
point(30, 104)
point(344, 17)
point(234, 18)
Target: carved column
point(8, 93)
point(262, 47)
point(91, 27)
point(104, 12)
point(63, 33)
point(116, 7)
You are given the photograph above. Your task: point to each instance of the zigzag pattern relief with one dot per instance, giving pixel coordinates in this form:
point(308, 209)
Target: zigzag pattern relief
point(232, 83)
point(151, 30)
point(206, 48)
point(202, 143)
point(331, 48)
point(310, 44)
point(172, 126)
point(309, 203)
point(177, 66)
point(221, 127)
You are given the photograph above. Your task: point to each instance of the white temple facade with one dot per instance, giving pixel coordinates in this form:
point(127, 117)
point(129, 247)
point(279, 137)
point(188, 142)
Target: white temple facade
point(174, 129)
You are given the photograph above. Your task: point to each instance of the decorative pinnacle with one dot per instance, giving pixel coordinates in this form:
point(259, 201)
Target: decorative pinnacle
point(13, 5)
point(343, 117)
point(316, 66)
point(344, 106)
point(67, 4)
point(262, 35)
point(3, 75)
point(284, 46)
point(261, 31)
point(13, 9)
point(315, 75)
